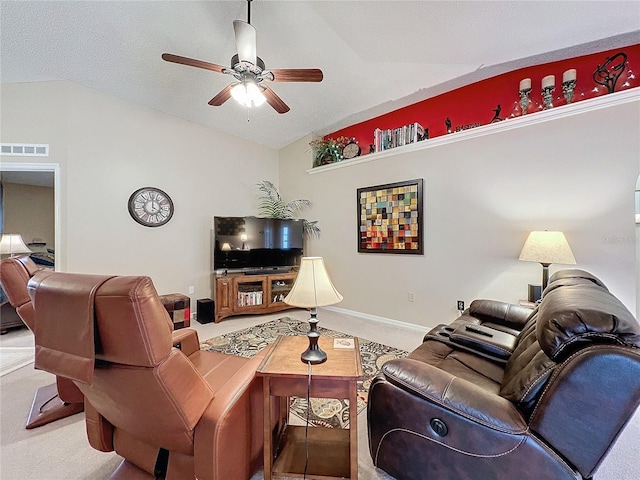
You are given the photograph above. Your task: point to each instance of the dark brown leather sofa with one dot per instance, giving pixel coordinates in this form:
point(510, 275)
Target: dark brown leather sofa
point(168, 408)
point(546, 400)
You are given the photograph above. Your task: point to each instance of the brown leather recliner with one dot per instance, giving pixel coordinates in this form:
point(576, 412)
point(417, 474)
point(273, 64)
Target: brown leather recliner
point(60, 399)
point(551, 411)
point(175, 412)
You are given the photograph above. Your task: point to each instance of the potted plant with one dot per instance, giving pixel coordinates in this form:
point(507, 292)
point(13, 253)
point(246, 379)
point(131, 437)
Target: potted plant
point(271, 205)
point(327, 150)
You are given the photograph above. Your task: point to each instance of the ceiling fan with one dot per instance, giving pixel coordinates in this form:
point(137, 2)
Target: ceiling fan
point(249, 71)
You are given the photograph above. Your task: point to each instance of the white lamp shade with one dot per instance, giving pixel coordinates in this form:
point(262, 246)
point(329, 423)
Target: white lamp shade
point(547, 247)
point(12, 244)
point(313, 287)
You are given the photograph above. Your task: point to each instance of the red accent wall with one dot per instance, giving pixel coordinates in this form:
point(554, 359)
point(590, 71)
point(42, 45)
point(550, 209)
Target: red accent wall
point(475, 103)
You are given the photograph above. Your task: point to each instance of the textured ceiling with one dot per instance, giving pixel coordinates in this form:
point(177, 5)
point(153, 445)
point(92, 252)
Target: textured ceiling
point(376, 55)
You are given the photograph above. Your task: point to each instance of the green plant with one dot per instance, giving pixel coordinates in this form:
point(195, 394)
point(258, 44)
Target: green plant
point(271, 205)
point(327, 150)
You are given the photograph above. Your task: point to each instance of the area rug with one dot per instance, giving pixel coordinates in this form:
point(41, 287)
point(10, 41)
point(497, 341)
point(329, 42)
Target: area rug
point(325, 412)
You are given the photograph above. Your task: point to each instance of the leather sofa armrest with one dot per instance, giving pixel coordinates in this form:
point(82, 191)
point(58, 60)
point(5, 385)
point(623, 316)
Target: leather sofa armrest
point(224, 437)
point(456, 394)
point(500, 312)
point(186, 339)
point(487, 341)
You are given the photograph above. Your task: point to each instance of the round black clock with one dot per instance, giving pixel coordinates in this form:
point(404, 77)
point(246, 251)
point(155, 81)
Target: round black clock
point(351, 150)
point(150, 206)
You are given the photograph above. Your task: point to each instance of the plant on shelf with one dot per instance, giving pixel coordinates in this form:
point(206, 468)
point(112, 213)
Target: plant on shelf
point(271, 205)
point(327, 150)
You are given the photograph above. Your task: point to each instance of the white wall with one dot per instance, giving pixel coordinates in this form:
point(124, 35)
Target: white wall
point(108, 147)
point(482, 197)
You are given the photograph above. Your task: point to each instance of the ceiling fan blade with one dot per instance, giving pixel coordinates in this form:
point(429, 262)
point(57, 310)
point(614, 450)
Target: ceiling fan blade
point(169, 57)
point(274, 100)
point(222, 96)
point(297, 75)
point(245, 41)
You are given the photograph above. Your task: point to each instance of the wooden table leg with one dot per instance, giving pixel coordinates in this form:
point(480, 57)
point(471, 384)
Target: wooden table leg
point(353, 429)
point(268, 428)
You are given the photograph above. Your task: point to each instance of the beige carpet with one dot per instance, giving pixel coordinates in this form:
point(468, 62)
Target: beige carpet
point(13, 358)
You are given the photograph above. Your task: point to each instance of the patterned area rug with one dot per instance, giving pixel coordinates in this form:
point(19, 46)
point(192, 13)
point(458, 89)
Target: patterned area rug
point(325, 412)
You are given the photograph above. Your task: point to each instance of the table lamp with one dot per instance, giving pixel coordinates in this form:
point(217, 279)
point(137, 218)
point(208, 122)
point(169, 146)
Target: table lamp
point(12, 244)
point(313, 289)
point(546, 248)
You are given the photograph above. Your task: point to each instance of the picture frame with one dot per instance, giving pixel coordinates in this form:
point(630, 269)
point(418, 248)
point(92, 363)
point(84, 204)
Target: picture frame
point(390, 218)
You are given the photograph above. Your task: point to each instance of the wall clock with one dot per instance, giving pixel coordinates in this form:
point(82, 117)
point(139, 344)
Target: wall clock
point(150, 206)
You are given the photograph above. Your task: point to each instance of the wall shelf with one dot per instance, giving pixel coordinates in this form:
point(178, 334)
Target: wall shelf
point(585, 106)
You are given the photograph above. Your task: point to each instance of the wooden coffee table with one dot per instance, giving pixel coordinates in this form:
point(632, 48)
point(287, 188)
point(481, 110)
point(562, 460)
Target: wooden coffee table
point(333, 452)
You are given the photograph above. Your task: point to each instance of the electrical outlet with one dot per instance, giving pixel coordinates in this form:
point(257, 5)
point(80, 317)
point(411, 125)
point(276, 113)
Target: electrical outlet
point(192, 290)
point(411, 297)
point(461, 305)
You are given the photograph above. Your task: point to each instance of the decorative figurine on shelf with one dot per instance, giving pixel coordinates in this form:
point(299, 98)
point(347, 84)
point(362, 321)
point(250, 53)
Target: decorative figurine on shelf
point(525, 91)
point(607, 75)
point(496, 115)
point(548, 86)
point(569, 84)
point(447, 122)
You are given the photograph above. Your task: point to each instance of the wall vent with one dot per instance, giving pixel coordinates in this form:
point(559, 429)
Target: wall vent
point(24, 149)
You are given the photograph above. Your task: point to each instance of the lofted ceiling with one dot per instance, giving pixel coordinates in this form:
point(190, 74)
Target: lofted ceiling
point(376, 55)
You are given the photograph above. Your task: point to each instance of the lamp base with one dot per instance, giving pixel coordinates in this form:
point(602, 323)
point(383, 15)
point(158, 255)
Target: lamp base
point(314, 354)
point(535, 293)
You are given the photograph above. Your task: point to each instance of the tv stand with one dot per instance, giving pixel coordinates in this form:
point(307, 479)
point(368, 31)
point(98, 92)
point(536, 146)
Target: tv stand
point(249, 293)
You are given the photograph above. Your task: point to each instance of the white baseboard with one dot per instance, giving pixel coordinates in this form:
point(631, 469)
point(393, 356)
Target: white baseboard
point(376, 318)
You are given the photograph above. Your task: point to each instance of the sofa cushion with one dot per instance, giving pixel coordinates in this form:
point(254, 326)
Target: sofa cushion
point(573, 316)
point(471, 367)
point(575, 273)
point(574, 313)
point(527, 370)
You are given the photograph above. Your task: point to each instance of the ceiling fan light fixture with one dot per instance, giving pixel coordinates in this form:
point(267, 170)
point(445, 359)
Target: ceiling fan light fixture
point(248, 94)
point(249, 71)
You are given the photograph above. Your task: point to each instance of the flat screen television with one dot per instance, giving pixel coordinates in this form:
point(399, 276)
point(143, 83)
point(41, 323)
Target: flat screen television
point(255, 244)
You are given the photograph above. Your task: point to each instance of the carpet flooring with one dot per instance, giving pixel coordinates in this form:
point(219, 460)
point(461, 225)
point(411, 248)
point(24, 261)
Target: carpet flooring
point(13, 358)
point(328, 412)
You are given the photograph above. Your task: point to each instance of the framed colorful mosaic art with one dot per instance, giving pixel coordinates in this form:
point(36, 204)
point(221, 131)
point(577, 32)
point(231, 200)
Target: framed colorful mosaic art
point(390, 218)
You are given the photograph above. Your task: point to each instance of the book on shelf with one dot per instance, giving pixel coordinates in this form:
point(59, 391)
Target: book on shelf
point(384, 139)
point(246, 299)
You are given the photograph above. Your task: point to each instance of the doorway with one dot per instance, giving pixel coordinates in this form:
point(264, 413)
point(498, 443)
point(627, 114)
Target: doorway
point(37, 174)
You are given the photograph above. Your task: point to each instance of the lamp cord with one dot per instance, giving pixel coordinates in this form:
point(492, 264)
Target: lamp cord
point(306, 428)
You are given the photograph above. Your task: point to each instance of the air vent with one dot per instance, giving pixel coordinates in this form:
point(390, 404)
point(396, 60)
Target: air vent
point(24, 149)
